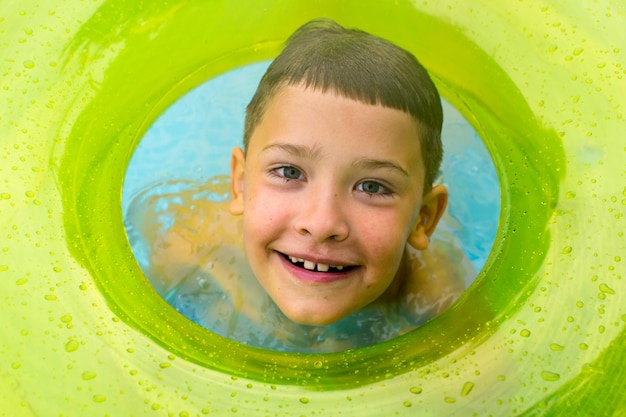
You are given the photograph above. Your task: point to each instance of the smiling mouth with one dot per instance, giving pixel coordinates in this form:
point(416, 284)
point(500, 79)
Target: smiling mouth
point(317, 267)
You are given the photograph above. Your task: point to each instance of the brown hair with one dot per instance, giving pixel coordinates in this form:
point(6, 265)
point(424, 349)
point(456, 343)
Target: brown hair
point(323, 55)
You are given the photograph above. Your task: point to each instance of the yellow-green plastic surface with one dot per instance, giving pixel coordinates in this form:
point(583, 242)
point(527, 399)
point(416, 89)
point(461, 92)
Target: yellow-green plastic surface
point(541, 331)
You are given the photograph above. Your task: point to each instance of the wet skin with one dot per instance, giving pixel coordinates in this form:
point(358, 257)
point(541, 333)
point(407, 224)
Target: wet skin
point(332, 195)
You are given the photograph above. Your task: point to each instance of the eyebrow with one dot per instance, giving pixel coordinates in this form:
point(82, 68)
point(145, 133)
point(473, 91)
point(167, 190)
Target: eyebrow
point(310, 152)
point(301, 151)
point(371, 164)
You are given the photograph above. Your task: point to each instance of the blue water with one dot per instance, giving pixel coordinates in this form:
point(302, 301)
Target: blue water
point(190, 144)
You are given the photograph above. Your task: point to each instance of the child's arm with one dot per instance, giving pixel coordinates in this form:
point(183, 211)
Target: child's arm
point(204, 239)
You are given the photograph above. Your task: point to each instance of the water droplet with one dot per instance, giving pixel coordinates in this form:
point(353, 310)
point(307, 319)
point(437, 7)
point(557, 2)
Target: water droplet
point(467, 388)
point(550, 376)
point(87, 375)
point(29, 64)
point(416, 390)
point(66, 318)
point(407, 404)
point(21, 281)
point(50, 297)
point(570, 194)
point(606, 289)
point(578, 51)
point(556, 347)
point(318, 364)
point(71, 346)
point(450, 400)
point(567, 250)
point(524, 333)
point(304, 400)
point(164, 365)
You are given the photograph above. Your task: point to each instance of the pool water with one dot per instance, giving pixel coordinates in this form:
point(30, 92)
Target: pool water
point(178, 176)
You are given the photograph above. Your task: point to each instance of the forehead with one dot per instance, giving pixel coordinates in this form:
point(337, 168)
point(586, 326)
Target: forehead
point(298, 103)
point(285, 93)
point(311, 116)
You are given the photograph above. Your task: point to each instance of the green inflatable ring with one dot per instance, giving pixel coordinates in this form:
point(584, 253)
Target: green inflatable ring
point(540, 332)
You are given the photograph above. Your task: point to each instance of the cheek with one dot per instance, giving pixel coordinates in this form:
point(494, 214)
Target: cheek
point(264, 212)
point(386, 237)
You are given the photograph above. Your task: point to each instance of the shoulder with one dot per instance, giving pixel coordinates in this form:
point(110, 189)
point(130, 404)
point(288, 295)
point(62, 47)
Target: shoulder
point(435, 279)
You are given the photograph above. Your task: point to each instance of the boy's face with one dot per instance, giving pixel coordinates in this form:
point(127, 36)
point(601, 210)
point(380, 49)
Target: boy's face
point(331, 192)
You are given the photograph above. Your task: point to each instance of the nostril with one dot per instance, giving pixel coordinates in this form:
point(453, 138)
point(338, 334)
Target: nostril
point(322, 219)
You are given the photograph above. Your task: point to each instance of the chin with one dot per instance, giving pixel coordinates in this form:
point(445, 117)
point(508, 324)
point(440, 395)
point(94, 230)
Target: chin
point(310, 319)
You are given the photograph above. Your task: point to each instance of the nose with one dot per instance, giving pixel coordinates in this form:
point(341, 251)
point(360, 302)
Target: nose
point(322, 217)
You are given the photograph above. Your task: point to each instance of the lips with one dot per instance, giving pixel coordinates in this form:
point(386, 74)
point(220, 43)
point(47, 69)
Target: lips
point(315, 272)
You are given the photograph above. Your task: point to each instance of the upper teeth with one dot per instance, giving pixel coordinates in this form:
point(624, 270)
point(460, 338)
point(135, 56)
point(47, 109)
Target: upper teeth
point(312, 266)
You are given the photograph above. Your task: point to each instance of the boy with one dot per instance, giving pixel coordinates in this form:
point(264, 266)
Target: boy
point(342, 144)
point(335, 191)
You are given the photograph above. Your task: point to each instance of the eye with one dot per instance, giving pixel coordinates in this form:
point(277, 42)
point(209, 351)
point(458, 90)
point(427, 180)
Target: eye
point(373, 188)
point(288, 172)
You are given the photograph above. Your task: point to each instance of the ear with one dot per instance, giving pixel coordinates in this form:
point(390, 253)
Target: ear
point(433, 206)
point(237, 173)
